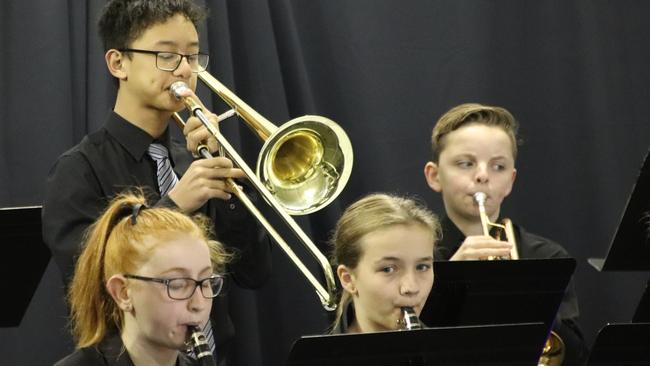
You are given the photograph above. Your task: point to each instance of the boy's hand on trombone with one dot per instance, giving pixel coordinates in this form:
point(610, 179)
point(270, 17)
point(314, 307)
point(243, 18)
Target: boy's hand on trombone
point(203, 180)
point(195, 132)
point(480, 247)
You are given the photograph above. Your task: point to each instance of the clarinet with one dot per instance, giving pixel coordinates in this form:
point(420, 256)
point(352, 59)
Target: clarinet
point(199, 345)
point(410, 320)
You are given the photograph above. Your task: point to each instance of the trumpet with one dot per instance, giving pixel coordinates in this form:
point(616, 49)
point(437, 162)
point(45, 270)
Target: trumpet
point(554, 348)
point(302, 167)
point(504, 229)
point(553, 351)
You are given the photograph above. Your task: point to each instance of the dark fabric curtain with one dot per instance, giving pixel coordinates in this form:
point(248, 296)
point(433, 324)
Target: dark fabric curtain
point(574, 73)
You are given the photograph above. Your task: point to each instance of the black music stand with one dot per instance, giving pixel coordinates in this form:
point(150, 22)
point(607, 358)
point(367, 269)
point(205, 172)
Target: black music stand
point(629, 343)
point(630, 248)
point(23, 261)
point(509, 345)
point(497, 292)
point(642, 313)
point(622, 344)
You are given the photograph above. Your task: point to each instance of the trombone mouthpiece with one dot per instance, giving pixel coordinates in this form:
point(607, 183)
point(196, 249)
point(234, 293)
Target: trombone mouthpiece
point(177, 88)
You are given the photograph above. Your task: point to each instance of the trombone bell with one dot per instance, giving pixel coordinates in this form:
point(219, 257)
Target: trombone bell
point(305, 164)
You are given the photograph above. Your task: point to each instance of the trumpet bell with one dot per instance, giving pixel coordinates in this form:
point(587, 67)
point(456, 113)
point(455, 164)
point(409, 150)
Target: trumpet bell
point(553, 352)
point(306, 163)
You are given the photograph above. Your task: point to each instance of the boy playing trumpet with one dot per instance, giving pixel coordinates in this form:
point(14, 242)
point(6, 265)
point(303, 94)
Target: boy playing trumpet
point(474, 149)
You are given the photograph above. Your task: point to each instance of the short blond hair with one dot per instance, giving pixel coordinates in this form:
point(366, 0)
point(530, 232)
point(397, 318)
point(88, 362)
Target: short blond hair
point(468, 113)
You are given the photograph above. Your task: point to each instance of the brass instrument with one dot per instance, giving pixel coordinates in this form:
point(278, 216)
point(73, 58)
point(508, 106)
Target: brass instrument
point(554, 348)
point(409, 320)
point(505, 228)
point(198, 345)
point(553, 351)
point(303, 166)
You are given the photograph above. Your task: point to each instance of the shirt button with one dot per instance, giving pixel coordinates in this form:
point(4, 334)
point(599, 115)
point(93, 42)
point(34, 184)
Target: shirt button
point(232, 206)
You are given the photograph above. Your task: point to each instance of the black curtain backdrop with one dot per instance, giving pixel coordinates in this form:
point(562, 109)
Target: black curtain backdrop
point(575, 74)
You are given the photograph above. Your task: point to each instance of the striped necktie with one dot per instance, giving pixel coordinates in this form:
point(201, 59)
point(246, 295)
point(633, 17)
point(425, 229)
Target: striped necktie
point(166, 177)
point(166, 181)
point(207, 331)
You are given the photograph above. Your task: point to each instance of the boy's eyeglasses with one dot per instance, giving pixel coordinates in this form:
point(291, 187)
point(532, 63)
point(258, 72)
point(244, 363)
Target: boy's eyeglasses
point(170, 61)
point(183, 288)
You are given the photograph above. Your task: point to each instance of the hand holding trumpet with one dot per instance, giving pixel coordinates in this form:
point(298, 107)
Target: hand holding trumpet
point(481, 247)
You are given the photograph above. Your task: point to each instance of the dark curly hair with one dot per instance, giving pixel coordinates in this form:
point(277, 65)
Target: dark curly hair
point(122, 21)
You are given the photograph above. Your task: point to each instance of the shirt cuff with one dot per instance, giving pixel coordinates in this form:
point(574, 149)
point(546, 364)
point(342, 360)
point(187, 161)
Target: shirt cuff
point(166, 202)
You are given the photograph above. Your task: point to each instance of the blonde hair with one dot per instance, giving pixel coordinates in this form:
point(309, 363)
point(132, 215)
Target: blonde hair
point(115, 244)
point(371, 213)
point(464, 114)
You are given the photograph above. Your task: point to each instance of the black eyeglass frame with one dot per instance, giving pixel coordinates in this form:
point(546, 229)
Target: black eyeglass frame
point(197, 283)
point(187, 57)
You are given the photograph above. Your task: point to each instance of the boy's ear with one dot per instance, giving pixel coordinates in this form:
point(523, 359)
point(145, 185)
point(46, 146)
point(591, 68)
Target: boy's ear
point(346, 277)
point(115, 63)
point(431, 174)
point(116, 287)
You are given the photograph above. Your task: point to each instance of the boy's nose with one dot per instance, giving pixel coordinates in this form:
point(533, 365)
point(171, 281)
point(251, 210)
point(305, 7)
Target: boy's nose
point(184, 68)
point(481, 174)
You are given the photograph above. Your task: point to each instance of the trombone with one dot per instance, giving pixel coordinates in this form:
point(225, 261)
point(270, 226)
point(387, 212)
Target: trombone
point(554, 348)
point(303, 166)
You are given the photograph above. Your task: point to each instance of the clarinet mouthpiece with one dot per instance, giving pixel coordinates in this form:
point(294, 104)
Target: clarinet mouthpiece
point(200, 347)
point(410, 320)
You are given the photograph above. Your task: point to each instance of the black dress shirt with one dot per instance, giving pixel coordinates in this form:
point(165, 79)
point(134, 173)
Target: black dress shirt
point(531, 246)
point(110, 352)
point(107, 162)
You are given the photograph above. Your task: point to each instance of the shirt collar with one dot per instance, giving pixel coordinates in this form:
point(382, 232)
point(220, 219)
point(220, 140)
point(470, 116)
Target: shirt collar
point(134, 139)
point(115, 353)
point(112, 348)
